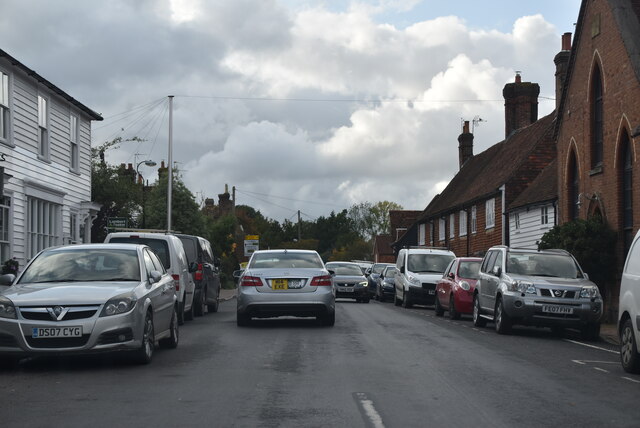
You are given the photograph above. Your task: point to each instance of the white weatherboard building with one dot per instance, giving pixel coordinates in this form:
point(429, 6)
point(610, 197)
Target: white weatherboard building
point(45, 143)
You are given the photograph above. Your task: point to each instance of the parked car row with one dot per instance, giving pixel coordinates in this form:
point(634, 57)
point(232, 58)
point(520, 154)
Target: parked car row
point(128, 295)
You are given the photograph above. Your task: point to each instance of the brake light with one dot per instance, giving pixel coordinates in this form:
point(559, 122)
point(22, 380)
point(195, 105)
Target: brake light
point(198, 274)
point(176, 281)
point(319, 281)
point(251, 281)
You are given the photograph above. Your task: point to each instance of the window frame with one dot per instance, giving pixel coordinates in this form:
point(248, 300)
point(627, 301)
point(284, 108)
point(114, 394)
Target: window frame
point(452, 225)
point(44, 225)
point(74, 142)
point(462, 223)
point(597, 119)
point(44, 147)
point(442, 229)
point(5, 107)
point(422, 232)
point(474, 219)
point(490, 213)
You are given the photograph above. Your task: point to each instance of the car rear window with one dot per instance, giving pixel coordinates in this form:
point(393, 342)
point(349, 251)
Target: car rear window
point(428, 263)
point(190, 249)
point(285, 261)
point(159, 246)
point(469, 269)
point(341, 269)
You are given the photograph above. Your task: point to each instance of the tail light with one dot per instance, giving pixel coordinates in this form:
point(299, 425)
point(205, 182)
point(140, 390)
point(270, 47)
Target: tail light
point(176, 281)
point(319, 281)
point(198, 274)
point(250, 281)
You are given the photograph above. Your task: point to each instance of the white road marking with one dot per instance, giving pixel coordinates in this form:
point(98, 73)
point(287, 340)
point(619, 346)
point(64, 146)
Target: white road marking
point(372, 415)
point(592, 346)
point(601, 370)
point(631, 380)
point(579, 362)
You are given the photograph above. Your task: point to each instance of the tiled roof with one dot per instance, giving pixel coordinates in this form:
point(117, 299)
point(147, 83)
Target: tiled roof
point(544, 188)
point(484, 173)
point(402, 218)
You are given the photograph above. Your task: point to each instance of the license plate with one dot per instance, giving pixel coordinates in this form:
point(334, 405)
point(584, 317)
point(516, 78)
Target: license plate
point(432, 291)
point(53, 332)
point(345, 289)
point(556, 309)
point(280, 284)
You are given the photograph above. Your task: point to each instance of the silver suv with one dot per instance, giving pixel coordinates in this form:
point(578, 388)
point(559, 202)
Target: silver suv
point(542, 288)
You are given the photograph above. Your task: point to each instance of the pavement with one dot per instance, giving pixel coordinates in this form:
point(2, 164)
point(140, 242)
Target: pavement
point(608, 332)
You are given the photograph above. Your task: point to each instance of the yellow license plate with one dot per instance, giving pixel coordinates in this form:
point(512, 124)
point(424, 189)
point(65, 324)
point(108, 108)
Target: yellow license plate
point(280, 284)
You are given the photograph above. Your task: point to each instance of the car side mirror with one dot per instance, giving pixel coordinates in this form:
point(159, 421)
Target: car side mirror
point(402, 269)
point(496, 271)
point(7, 279)
point(216, 262)
point(193, 266)
point(331, 272)
point(451, 275)
point(586, 275)
point(237, 273)
point(154, 276)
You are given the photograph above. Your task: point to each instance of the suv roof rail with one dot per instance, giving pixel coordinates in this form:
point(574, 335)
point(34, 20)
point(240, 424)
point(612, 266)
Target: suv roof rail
point(133, 229)
point(424, 247)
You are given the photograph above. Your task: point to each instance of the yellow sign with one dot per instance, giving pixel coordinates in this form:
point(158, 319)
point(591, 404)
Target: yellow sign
point(251, 237)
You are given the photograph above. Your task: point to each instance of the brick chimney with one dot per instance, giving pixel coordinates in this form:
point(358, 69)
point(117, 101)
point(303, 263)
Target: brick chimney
point(520, 104)
point(562, 63)
point(465, 146)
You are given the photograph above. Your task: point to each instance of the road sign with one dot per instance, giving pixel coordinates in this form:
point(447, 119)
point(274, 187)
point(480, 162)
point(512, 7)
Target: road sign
point(251, 244)
point(116, 222)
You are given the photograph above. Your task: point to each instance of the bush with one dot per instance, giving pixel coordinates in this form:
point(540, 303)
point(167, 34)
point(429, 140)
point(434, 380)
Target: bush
point(10, 266)
point(591, 242)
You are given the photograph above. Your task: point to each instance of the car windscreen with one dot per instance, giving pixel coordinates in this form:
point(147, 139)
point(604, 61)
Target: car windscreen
point(428, 263)
point(543, 264)
point(378, 268)
point(285, 261)
point(83, 265)
point(469, 269)
point(390, 273)
point(351, 270)
point(159, 246)
point(190, 248)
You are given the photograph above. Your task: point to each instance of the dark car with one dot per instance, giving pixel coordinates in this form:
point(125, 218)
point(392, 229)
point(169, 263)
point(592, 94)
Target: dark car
point(349, 281)
point(372, 275)
point(385, 283)
point(206, 276)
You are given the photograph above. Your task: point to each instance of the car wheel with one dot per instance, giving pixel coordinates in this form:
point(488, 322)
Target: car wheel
point(328, 319)
point(213, 307)
point(557, 330)
point(180, 313)
point(172, 341)
point(478, 321)
point(502, 320)
point(145, 353)
point(453, 314)
point(396, 301)
point(199, 303)
point(439, 309)
point(591, 332)
point(406, 303)
point(629, 356)
point(366, 300)
point(243, 320)
point(188, 315)
point(376, 297)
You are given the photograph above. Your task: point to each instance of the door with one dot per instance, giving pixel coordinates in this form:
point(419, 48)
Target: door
point(493, 280)
point(161, 293)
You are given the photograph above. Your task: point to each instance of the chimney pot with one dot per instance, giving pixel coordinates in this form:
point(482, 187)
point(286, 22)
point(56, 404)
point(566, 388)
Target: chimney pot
point(518, 78)
point(130, 166)
point(566, 42)
point(465, 128)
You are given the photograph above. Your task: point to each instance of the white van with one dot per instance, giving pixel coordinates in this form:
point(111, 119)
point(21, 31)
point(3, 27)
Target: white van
point(170, 250)
point(629, 309)
point(418, 271)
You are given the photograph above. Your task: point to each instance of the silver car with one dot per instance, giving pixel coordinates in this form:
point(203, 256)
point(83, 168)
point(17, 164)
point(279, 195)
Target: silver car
point(285, 283)
point(349, 281)
point(540, 288)
point(89, 298)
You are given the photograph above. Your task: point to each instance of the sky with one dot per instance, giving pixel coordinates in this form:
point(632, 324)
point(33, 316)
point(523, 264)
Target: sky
point(298, 104)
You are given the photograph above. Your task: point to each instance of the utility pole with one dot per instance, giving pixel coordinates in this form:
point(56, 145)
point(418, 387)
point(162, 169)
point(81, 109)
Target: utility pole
point(299, 234)
point(233, 199)
point(170, 166)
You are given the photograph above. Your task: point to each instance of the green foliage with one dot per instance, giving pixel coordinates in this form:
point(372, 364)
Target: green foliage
point(10, 266)
point(372, 219)
point(357, 250)
point(591, 242)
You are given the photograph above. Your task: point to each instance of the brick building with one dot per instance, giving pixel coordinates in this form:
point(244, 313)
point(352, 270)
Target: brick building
point(599, 122)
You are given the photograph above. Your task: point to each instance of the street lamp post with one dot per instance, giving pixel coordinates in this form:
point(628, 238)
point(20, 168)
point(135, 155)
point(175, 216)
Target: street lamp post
point(147, 162)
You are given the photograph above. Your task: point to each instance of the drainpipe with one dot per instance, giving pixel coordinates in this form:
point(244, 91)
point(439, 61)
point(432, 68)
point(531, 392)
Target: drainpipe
point(505, 234)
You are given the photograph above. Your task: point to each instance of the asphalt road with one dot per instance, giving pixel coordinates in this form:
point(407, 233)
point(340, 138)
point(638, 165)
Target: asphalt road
point(380, 366)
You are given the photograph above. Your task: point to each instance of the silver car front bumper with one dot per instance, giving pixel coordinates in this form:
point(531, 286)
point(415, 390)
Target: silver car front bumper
point(534, 310)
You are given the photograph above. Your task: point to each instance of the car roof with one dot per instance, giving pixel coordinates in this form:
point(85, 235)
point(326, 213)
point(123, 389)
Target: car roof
point(97, 246)
point(148, 235)
point(285, 251)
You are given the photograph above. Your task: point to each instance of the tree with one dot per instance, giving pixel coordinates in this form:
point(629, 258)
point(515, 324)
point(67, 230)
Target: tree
point(114, 188)
point(372, 219)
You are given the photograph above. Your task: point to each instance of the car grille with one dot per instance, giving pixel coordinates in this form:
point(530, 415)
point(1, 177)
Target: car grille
point(8, 341)
point(344, 284)
point(114, 336)
point(58, 342)
point(74, 313)
point(428, 286)
point(559, 293)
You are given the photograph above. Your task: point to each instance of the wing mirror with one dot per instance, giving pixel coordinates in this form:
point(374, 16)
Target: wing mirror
point(154, 276)
point(193, 266)
point(7, 279)
point(497, 270)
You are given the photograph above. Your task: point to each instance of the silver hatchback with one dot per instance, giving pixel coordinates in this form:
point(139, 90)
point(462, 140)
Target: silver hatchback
point(285, 283)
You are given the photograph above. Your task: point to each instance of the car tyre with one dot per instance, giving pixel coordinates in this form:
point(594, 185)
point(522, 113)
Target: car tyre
point(629, 356)
point(172, 341)
point(180, 313)
point(145, 353)
point(591, 332)
point(243, 320)
point(502, 320)
point(200, 303)
point(438, 308)
point(478, 321)
point(396, 301)
point(328, 319)
point(366, 300)
point(453, 313)
point(213, 307)
point(188, 315)
point(406, 302)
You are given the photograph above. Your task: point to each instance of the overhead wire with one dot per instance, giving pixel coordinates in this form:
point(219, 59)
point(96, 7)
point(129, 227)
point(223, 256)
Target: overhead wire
point(289, 199)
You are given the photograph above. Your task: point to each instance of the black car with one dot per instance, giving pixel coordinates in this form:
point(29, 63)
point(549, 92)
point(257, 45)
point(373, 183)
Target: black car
point(206, 276)
point(386, 284)
point(373, 273)
point(349, 282)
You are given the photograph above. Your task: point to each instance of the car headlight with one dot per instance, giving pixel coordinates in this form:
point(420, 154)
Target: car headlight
point(522, 287)
point(7, 310)
point(465, 285)
point(413, 280)
point(363, 284)
point(119, 305)
point(589, 292)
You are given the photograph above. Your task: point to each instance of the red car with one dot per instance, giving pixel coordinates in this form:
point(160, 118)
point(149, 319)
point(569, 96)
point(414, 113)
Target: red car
point(454, 290)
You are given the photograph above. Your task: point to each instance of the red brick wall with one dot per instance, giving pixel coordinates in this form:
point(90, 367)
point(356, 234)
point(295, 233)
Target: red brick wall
point(621, 103)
